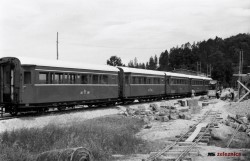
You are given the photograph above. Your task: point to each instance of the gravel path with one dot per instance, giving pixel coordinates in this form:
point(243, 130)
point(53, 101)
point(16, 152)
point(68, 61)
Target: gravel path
point(63, 119)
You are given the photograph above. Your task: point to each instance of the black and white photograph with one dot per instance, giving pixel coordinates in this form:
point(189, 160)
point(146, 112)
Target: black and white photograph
point(124, 80)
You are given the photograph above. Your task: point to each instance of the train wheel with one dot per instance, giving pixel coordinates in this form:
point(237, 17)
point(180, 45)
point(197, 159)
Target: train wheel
point(13, 111)
point(61, 108)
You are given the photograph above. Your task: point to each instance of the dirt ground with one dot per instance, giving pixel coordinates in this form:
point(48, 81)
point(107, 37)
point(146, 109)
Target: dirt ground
point(165, 132)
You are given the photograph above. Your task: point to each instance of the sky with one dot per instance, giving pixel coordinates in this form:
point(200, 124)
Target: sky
point(91, 31)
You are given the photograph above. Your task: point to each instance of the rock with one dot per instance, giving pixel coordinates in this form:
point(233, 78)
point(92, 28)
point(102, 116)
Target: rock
point(218, 134)
point(173, 107)
point(146, 119)
point(187, 116)
point(148, 126)
point(173, 116)
point(242, 128)
point(165, 119)
point(157, 117)
point(247, 130)
point(141, 108)
point(130, 111)
point(182, 109)
point(239, 116)
point(151, 118)
point(181, 115)
point(248, 134)
point(248, 117)
point(154, 107)
point(192, 102)
point(233, 125)
point(163, 112)
point(244, 119)
point(173, 111)
point(227, 122)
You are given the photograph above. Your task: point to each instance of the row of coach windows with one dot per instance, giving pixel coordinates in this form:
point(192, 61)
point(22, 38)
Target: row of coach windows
point(145, 80)
point(60, 78)
point(179, 81)
point(197, 82)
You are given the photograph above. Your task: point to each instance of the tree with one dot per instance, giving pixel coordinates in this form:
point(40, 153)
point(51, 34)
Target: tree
point(152, 63)
point(114, 61)
point(163, 61)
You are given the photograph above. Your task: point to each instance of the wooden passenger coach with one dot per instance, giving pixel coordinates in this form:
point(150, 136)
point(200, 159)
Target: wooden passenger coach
point(59, 84)
point(28, 84)
point(141, 84)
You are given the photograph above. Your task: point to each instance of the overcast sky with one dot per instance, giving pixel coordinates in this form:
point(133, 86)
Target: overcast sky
point(93, 30)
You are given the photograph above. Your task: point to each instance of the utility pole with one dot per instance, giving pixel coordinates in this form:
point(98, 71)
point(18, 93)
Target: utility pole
point(240, 69)
point(57, 46)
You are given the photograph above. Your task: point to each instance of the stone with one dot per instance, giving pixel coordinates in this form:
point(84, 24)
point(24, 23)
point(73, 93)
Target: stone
point(183, 109)
point(130, 111)
point(173, 116)
point(187, 116)
point(141, 108)
point(181, 115)
point(218, 134)
point(154, 107)
point(238, 116)
point(248, 117)
point(148, 126)
point(192, 102)
point(244, 119)
point(247, 130)
point(248, 134)
point(242, 128)
point(165, 119)
point(151, 118)
point(157, 117)
point(227, 122)
point(233, 125)
point(163, 112)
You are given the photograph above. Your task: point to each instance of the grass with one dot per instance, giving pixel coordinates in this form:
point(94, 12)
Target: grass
point(103, 136)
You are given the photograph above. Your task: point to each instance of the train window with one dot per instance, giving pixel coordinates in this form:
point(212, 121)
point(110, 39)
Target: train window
point(140, 80)
point(72, 78)
point(84, 79)
point(27, 77)
point(149, 81)
point(58, 78)
point(126, 80)
point(95, 79)
point(113, 79)
point(104, 79)
point(43, 78)
point(65, 78)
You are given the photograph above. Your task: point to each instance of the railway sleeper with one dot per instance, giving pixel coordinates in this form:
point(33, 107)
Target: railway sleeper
point(164, 158)
point(176, 153)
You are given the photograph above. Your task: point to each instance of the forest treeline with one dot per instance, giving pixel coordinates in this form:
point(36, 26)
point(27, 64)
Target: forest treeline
point(221, 54)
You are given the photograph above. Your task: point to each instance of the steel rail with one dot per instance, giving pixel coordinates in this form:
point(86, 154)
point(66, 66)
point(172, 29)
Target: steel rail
point(153, 157)
point(184, 153)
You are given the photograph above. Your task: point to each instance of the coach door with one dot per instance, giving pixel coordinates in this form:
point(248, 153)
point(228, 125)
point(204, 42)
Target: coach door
point(9, 81)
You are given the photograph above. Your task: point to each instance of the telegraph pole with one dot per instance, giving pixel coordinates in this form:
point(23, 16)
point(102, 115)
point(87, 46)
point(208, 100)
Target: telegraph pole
point(57, 46)
point(240, 70)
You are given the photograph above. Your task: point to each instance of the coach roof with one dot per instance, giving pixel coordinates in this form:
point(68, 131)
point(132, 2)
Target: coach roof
point(65, 64)
point(141, 71)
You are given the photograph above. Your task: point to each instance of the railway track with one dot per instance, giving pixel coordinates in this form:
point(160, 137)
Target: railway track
point(4, 116)
point(185, 147)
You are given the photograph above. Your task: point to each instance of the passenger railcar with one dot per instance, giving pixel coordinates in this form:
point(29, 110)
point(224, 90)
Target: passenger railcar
point(32, 84)
point(177, 84)
point(28, 84)
point(141, 84)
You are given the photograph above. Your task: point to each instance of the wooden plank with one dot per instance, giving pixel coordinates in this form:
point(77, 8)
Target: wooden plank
point(196, 132)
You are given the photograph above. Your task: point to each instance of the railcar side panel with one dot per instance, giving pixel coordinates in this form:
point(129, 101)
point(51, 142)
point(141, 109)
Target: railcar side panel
point(40, 93)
